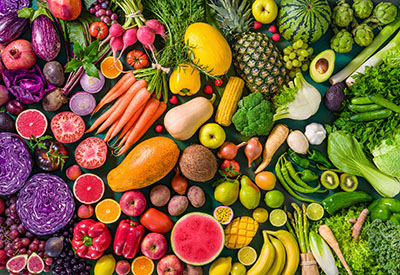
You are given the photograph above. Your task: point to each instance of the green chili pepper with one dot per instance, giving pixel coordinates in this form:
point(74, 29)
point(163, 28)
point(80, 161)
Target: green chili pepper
point(287, 176)
point(302, 162)
point(308, 175)
point(292, 173)
point(319, 158)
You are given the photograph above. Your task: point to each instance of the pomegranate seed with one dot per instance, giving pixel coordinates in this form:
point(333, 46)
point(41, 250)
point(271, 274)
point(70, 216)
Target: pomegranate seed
point(272, 29)
point(173, 100)
point(218, 82)
point(276, 37)
point(159, 128)
point(257, 25)
point(208, 90)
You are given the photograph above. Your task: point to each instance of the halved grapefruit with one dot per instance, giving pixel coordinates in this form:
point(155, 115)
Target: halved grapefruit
point(31, 123)
point(88, 188)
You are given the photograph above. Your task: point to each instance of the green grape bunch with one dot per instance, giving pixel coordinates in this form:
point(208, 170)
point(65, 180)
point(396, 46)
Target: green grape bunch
point(297, 57)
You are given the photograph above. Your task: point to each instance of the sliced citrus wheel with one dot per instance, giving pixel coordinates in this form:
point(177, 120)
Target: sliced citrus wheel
point(277, 217)
point(88, 188)
point(111, 69)
point(315, 211)
point(142, 266)
point(31, 123)
point(247, 255)
point(108, 211)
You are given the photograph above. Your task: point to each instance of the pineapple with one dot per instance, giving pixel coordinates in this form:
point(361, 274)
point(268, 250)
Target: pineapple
point(255, 57)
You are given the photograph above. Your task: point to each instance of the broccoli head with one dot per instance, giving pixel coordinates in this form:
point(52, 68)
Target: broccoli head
point(254, 116)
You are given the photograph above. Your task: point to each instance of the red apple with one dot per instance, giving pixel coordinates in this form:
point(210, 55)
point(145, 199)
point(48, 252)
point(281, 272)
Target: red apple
point(133, 203)
point(170, 265)
point(154, 246)
point(123, 267)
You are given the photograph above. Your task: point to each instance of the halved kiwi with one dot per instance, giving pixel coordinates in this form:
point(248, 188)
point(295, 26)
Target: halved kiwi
point(329, 179)
point(348, 182)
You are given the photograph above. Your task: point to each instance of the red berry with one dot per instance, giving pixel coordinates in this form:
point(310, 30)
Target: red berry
point(257, 25)
point(272, 29)
point(276, 37)
point(218, 82)
point(159, 128)
point(208, 90)
point(173, 100)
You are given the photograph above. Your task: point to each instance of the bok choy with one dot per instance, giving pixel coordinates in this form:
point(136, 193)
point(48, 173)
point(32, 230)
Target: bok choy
point(323, 254)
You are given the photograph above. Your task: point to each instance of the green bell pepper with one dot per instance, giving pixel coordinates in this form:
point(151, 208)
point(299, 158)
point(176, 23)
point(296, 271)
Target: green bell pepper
point(341, 200)
point(385, 209)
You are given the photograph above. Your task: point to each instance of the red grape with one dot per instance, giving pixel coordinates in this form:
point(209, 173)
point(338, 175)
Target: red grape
point(33, 246)
point(22, 251)
point(13, 234)
point(48, 261)
point(25, 242)
point(29, 252)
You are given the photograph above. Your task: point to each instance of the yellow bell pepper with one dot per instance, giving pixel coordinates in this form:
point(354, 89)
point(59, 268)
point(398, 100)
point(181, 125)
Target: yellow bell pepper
point(185, 80)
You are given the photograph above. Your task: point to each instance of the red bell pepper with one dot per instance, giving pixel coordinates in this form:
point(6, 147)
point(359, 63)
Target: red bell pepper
point(91, 239)
point(128, 237)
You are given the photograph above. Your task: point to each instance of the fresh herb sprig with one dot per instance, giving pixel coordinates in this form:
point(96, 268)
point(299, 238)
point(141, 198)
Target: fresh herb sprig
point(85, 57)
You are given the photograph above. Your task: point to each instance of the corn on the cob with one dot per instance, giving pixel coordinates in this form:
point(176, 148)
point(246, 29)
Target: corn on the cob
point(228, 105)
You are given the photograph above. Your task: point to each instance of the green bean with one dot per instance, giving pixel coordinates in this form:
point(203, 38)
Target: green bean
point(369, 116)
point(385, 103)
point(361, 100)
point(364, 108)
point(288, 171)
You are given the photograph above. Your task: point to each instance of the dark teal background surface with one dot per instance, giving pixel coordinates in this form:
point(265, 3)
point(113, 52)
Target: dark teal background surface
point(323, 116)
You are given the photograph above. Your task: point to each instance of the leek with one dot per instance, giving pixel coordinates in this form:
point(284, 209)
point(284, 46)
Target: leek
point(375, 60)
point(384, 35)
point(323, 254)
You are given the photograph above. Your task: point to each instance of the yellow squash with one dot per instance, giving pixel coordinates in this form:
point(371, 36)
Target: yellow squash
point(209, 49)
point(185, 80)
point(146, 164)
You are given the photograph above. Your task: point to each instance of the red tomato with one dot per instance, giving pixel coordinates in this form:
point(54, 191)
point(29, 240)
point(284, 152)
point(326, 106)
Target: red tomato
point(230, 168)
point(98, 30)
point(156, 221)
point(137, 59)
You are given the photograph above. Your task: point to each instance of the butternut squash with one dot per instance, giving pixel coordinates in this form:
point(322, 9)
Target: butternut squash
point(183, 121)
point(147, 163)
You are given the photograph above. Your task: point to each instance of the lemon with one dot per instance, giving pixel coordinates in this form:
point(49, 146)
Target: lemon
point(260, 215)
point(247, 255)
point(238, 269)
point(221, 266)
point(277, 217)
point(105, 265)
point(314, 211)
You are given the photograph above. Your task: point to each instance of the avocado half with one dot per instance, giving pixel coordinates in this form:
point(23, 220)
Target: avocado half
point(321, 68)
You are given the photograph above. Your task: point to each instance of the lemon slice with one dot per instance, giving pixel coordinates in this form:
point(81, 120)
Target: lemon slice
point(247, 255)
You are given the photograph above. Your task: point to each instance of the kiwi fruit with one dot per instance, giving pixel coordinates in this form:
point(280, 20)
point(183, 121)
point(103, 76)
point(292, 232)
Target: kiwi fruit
point(348, 183)
point(197, 163)
point(329, 179)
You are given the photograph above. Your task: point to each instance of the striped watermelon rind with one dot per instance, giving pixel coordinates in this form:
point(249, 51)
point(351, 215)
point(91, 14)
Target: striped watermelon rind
point(307, 20)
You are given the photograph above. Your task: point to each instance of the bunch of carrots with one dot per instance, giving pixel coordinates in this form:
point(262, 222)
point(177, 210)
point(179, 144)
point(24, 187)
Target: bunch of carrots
point(133, 112)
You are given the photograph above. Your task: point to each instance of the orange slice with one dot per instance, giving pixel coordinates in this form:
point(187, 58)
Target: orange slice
point(142, 266)
point(108, 211)
point(111, 69)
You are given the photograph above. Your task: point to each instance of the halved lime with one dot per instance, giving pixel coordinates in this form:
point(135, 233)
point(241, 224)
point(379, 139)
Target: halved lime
point(277, 217)
point(247, 255)
point(315, 211)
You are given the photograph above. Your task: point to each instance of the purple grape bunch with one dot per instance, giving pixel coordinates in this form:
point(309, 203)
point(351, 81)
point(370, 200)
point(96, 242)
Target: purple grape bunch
point(101, 9)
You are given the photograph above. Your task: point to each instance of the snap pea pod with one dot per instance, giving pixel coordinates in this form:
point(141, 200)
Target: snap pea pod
point(369, 116)
point(361, 100)
point(293, 185)
point(302, 162)
point(286, 186)
point(364, 108)
point(385, 103)
point(292, 173)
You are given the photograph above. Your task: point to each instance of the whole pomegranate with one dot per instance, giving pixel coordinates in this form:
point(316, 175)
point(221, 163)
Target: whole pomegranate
point(19, 55)
point(65, 9)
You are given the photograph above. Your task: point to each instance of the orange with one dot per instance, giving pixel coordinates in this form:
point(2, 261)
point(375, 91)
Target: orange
point(109, 68)
point(108, 211)
point(142, 266)
point(266, 180)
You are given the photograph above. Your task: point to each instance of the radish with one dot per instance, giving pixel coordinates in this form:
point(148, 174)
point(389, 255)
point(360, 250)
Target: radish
point(115, 30)
point(157, 27)
point(146, 36)
point(116, 44)
point(129, 38)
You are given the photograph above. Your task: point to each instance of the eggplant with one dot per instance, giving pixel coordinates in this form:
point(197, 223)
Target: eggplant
point(11, 27)
point(45, 40)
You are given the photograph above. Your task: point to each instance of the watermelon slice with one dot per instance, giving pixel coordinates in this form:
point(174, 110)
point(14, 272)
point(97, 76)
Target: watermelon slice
point(91, 153)
point(88, 188)
point(30, 123)
point(197, 238)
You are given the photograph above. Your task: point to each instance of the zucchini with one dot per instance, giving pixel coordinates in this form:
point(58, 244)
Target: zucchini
point(341, 200)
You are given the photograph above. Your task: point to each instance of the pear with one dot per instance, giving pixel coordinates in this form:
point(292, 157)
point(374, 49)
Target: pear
point(250, 194)
point(227, 192)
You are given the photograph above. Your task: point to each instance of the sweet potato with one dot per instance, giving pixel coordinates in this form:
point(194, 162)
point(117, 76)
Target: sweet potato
point(177, 205)
point(196, 196)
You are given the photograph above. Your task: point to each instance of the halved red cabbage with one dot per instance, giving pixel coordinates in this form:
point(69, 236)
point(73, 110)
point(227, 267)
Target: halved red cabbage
point(15, 163)
point(8, 6)
point(45, 204)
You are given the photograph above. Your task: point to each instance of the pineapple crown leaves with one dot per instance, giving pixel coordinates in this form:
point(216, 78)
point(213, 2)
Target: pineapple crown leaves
point(234, 16)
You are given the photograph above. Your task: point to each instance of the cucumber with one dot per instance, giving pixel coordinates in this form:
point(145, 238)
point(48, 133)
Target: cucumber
point(364, 108)
point(372, 115)
point(361, 100)
point(342, 200)
point(385, 103)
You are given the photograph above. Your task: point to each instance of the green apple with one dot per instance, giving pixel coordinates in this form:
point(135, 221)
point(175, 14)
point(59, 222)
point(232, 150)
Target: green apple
point(265, 11)
point(212, 135)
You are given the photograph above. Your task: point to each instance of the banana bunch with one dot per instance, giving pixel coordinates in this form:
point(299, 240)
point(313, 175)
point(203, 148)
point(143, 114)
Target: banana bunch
point(279, 255)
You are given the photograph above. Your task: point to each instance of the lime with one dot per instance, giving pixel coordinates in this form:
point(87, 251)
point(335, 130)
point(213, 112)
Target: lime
point(238, 269)
point(260, 215)
point(315, 211)
point(274, 199)
point(277, 217)
point(247, 255)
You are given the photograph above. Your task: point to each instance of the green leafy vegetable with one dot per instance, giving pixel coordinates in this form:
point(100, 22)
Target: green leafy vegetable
point(85, 57)
point(346, 154)
point(392, 57)
point(323, 254)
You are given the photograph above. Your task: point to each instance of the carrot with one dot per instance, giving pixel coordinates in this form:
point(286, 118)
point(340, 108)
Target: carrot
point(110, 131)
point(275, 139)
point(134, 106)
point(327, 234)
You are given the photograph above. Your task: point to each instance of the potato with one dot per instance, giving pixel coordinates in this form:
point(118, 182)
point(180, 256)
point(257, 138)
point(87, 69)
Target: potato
point(193, 270)
point(196, 196)
point(177, 205)
point(160, 195)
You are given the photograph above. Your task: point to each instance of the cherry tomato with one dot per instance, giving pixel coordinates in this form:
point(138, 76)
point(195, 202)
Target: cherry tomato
point(230, 168)
point(137, 59)
point(98, 30)
point(157, 221)
point(208, 89)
